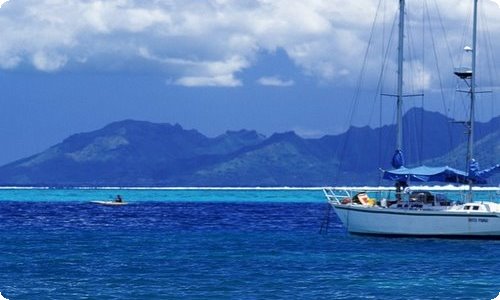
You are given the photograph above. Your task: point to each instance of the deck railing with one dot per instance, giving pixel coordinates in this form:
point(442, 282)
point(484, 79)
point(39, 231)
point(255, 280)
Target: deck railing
point(337, 194)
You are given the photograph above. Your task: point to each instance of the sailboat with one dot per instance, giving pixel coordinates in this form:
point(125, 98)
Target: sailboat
point(422, 213)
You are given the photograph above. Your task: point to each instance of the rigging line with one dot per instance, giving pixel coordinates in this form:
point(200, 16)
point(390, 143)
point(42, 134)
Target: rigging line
point(380, 84)
point(408, 81)
point(465, 31)
point(492, 70)
point(385, 57)
point(380, 87)
point(385, 52)
point(387, 148)
point(379, 149)
point(380, 119)
point(326, 220)
point(443, 30)
point(436, 57)
point(421, 137)
point(357, 91)
point(453, 97)
point(465, 35)
point(379, 154)
point(416, 82)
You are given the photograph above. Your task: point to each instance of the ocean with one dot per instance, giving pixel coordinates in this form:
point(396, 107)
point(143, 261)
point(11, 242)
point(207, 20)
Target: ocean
point(220, 244)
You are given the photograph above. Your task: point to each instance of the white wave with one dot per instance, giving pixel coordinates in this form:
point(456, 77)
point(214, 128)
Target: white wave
point(372, 188)
point(156, 188)
point(25, 188)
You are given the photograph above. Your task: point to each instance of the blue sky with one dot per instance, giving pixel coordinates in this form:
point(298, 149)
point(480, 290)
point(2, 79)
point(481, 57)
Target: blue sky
point(269, 65)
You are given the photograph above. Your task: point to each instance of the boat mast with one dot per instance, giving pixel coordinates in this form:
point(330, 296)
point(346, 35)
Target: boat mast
point(399, 109)
point(398, 157)
point(470, 141)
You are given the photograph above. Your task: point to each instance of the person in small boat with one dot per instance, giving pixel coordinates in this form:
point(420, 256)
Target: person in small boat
point(118, 199)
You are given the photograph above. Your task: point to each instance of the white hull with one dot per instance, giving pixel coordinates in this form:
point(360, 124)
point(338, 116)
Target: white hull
point(404, 222)
point(109, 203)
point(421, 213)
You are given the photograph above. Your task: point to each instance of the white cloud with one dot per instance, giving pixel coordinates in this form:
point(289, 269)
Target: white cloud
point(197, 42)
point(48, 61)
point(202, 73)
point(218, 80)
point(275, 81)
point(417, 79)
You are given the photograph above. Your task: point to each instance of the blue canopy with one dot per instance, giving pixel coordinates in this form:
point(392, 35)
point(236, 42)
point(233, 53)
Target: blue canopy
point(442, 174)
point(425, 174)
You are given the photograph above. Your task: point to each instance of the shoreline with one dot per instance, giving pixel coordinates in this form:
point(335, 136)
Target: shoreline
point(373, 188)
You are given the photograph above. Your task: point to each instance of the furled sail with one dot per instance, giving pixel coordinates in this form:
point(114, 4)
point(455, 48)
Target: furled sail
point(480, 176)
point(398, 159)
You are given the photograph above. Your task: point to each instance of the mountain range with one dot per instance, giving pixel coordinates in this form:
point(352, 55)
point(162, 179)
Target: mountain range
point(139, 153)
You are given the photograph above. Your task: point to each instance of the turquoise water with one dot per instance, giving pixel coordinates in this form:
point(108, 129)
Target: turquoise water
point(135, 195)
point(220, 244)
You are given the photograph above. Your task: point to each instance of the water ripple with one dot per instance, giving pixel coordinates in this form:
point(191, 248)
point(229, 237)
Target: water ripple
point(188, 250)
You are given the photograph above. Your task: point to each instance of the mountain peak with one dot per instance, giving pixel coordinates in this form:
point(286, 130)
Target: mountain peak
point(285, 136)
point(243, 134)
point(141, 153)
point(130, 124)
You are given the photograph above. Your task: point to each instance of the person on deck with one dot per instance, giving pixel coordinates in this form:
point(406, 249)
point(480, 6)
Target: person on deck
point(118, 198)
point(400, 187)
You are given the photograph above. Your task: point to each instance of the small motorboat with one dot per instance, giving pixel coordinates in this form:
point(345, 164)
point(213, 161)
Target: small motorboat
point(115, 202)
point(109, 203)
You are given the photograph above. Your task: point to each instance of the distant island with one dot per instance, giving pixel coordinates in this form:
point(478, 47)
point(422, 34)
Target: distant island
point(138, 153)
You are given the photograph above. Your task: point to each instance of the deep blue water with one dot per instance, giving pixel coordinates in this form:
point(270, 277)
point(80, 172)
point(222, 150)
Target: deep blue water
point(239, 245)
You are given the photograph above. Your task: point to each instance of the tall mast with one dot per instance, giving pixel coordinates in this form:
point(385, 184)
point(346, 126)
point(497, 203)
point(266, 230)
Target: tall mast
point(399, 109)
point(470, 143)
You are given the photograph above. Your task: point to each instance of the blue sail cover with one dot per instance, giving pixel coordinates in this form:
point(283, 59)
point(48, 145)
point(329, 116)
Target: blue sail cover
point(425, 174)
point(488, 172)
point(478, 175)
point(398, 159)
point(441, 174)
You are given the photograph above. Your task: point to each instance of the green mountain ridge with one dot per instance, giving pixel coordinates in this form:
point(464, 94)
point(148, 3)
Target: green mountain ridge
point(139, 153)
point(487, 154)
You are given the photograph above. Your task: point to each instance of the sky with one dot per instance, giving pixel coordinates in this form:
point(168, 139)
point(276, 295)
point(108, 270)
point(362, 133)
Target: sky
point(70, 66)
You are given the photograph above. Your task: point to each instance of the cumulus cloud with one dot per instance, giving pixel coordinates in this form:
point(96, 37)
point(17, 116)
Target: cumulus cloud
point(195, 72)
point(218, 80)
point(48, 61)
point(195, 43)
point(275, 81)
point(497, 2)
